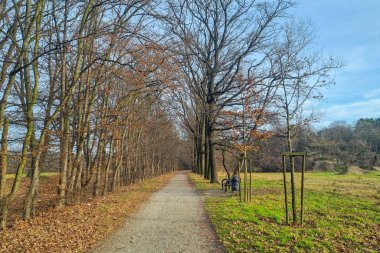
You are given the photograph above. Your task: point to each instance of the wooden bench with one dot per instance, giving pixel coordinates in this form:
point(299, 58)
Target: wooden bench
point(226, 184)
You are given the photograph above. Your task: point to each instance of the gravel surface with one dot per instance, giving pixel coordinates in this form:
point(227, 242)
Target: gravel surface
point(172, 220)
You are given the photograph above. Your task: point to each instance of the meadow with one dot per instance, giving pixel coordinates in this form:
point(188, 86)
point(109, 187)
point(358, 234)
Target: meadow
point(342, 214)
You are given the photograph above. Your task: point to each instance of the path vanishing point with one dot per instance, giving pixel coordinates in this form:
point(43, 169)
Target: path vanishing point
point(172, 220)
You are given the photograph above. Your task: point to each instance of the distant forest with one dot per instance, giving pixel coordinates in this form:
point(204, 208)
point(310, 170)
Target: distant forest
point(333, 148)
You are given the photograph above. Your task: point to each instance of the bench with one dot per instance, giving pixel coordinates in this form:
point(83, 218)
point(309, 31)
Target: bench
point(230, 183)
point(226, 184)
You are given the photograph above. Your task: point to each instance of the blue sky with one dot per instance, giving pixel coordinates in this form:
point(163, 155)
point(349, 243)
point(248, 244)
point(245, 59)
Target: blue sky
point(350, 30)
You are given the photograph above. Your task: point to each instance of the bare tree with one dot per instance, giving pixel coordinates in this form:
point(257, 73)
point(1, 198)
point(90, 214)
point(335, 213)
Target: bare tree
point(300, 74)
point(214, 38)
point(103, 76)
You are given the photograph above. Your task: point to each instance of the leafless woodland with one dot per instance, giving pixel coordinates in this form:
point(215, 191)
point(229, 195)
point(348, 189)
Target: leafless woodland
point(108, 93)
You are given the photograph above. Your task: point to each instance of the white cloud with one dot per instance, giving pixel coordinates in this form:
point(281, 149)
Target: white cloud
point(353, 111)
point(371, 93)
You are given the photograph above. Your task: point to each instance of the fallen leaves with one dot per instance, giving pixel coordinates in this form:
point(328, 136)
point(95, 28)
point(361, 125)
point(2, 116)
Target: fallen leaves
point(79, 227)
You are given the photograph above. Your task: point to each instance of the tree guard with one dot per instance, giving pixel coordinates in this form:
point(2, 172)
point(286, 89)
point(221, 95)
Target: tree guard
point(291, 156)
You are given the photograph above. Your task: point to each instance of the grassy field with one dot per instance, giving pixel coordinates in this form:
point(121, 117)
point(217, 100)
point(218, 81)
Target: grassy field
point(342, 214)
point(42, 174)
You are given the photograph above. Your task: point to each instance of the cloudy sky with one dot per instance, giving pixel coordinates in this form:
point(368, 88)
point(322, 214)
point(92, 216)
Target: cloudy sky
point(350, 30)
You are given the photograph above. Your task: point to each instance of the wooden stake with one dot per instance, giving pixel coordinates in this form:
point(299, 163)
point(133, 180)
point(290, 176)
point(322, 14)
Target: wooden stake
point(285, 191)
point(239, 180)
point(293, 188)
point(250, 180)
point(245, 179)
point(302, 185)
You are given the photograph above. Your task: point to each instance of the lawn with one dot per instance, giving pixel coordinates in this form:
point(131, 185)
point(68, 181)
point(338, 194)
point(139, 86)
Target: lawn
point(342, 214)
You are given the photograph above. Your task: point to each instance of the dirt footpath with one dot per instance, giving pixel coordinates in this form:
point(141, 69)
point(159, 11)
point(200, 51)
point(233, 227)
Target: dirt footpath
point(172, 220)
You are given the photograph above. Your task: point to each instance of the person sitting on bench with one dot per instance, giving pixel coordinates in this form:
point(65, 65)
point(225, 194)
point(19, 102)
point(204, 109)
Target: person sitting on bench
point(235, 182)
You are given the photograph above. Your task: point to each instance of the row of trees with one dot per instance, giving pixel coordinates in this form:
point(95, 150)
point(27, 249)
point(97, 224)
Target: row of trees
point(85, 80)
point(347, 145)
point(334, 148)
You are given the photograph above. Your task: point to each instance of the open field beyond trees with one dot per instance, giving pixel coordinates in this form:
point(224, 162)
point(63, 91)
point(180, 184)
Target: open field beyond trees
point(342, 214)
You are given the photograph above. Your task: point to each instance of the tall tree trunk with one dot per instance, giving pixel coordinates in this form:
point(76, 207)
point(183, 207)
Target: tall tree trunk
point(33, 189)
point(99, 165)
point(205, 156)
point(212, 162)
point(106, 172)
point(211, 139)
point(4, 158)
point(65, 121)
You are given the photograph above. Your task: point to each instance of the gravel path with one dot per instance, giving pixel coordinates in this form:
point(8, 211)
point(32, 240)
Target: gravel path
point(172, 220)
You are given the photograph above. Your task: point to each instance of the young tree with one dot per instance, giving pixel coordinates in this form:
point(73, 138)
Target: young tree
point(300, 74)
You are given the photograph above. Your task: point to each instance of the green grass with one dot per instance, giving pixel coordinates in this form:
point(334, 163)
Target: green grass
point(342, 213)
point(202, 184)
point(42, 174)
